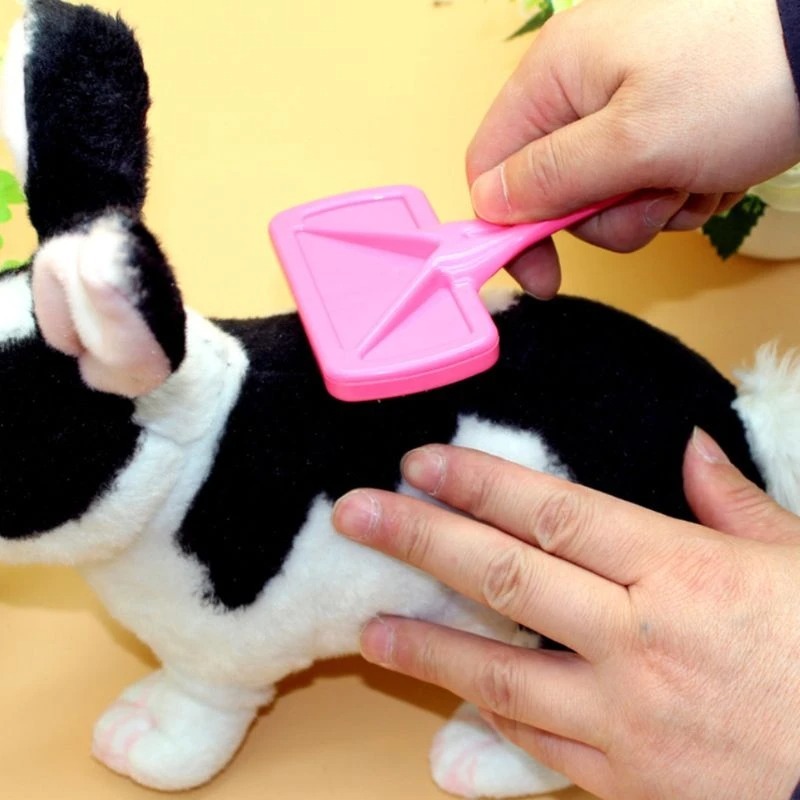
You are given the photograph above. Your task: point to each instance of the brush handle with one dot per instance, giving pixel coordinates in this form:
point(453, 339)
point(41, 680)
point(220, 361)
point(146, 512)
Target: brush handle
point(475, 250)
point(468, 252)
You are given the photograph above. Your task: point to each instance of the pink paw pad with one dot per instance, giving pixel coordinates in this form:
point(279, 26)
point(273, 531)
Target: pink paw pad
point(456, 760)
point(121, 727)
point(470, 759)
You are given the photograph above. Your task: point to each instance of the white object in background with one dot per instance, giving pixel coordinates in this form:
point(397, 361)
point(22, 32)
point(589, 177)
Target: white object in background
point(777, 234)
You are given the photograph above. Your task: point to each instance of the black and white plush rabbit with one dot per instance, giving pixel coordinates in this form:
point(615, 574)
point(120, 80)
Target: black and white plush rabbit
point(188, 466)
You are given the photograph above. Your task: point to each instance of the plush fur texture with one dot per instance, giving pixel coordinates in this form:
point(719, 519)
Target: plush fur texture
point(189, 466)
point(93, 66)
point(105, 294)
point(769, 405)
point(78, 442)
point(613, 411)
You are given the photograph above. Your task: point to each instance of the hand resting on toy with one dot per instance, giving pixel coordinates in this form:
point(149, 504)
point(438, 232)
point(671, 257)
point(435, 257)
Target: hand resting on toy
point(684, 678)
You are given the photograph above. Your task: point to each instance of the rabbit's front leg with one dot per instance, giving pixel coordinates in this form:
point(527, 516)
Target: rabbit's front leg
point(170, 734)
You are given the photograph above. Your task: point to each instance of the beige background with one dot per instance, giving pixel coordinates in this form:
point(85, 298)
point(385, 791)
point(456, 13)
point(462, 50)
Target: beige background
point(258, 106)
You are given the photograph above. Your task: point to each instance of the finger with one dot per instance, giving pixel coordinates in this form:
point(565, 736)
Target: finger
point(553, 597)
point(586, 766)
point(725, 500)
point(537, 270)
point(633, 222)
point(696, 211)
point(728, 201)
point(610, 537)
point(552, 691)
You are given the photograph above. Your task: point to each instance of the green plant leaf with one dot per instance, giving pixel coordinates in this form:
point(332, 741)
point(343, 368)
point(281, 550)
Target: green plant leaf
point(536, 21)
point(727, 231)
point(10, 193)
point(11, 264)
point(10, 190)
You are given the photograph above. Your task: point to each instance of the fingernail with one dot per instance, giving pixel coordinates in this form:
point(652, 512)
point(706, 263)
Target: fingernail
point(661, 210)
point(356, 515)
point(377, 642)
point(537, 271)
point(490, 195)
point(707, 448)
point(424, 469)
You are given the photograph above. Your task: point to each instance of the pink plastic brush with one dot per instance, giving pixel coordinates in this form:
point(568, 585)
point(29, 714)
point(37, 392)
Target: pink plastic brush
point(388, 295)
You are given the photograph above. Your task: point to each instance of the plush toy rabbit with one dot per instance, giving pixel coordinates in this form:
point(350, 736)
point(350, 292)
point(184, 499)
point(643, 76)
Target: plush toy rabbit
point(188, 466)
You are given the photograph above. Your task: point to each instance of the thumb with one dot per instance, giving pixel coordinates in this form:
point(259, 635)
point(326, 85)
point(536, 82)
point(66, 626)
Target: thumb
point(559, 172)
point(567, 170)
point(544, 147)
point(723, 499)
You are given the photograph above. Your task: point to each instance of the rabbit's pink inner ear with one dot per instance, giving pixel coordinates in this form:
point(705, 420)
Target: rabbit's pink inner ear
point(50, 303)
point(121, 355)
point(85, 303)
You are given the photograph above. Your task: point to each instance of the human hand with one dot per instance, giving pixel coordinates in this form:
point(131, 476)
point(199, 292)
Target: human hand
point(685, 680)
point(686, 103)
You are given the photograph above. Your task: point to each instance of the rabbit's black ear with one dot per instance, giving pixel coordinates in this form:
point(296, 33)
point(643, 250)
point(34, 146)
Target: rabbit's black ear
point(74, 106)
point(104, 294)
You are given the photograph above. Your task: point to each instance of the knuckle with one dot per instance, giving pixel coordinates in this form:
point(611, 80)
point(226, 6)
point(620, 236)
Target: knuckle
point(714, 571)
point(635, 138)
point(744, 499)
point(506, 580)
point(426, 660)
point(487, 492)
point(638, 133)
point(560, 521)
point(415, 537)
point(544, 173)
point(630, 134)
point(633, 132)
point(497, 685)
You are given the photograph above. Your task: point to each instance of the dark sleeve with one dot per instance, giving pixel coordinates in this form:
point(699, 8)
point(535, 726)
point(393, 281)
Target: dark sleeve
point(790, 19)
point(796, 793)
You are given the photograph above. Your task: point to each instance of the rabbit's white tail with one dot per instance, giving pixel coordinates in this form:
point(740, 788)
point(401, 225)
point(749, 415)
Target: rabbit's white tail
point(769, 406)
